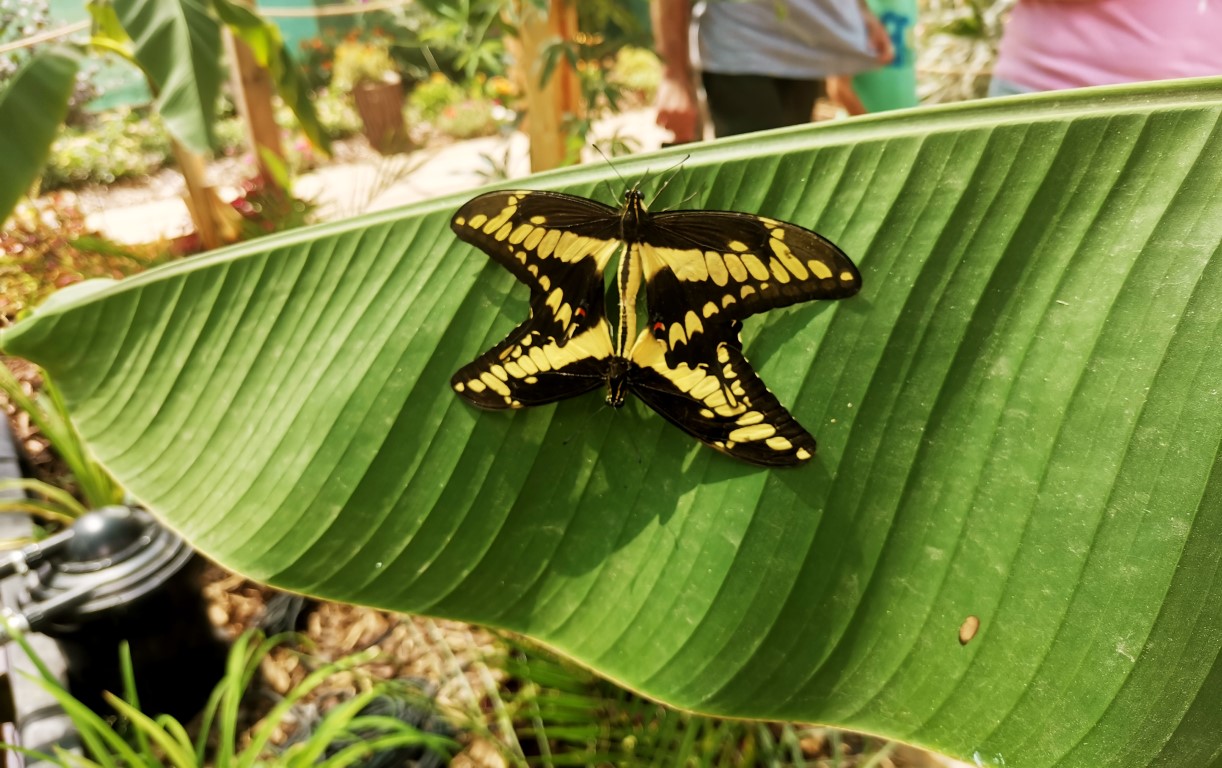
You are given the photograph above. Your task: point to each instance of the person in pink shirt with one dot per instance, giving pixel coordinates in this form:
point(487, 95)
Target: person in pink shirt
point(1053, 44)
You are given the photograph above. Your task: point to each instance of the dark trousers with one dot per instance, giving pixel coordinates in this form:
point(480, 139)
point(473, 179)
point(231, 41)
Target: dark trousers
point(745, 103)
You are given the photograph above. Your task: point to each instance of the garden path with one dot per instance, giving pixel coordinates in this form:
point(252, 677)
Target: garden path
point(361, 183)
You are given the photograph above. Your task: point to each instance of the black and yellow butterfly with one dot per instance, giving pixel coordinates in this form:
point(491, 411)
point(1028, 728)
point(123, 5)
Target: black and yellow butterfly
point(703, 272)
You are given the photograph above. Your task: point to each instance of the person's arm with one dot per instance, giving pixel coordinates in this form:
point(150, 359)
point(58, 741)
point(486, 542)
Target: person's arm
point(676, 98)
point(876, 34)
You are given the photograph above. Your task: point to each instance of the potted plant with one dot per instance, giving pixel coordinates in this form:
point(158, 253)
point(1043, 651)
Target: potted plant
point(365, 69)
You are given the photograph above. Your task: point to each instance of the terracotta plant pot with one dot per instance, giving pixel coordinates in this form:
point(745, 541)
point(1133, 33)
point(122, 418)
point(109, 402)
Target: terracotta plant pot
point(380, 106)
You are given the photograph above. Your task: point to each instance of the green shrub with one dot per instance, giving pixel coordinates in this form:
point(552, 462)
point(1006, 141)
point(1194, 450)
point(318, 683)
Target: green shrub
point(336, 113)
point(637, 70)
point(117, 145)
point(431, 97)
point(468, 119)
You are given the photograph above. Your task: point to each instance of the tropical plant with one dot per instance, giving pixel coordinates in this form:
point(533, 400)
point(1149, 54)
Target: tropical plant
point(564, 715)
point(346, 735)
point(185, 76)
point(53, 502)
point(362, 62)
point(1004, 550)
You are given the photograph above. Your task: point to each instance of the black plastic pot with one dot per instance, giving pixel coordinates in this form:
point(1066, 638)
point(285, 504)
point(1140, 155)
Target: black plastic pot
point(122, 576)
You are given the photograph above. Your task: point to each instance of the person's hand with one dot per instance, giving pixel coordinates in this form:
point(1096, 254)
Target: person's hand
point(880, 41)
point(677, 108)
point(840, 91)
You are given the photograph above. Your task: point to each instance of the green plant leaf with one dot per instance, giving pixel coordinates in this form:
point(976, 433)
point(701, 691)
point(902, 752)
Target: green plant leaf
point(178, 45)
point(1019, 420)
point(32, 108)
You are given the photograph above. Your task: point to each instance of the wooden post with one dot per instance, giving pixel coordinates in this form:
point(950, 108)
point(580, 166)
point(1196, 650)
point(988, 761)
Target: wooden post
point(253, 90)
point(549, 109)
point(216, 223)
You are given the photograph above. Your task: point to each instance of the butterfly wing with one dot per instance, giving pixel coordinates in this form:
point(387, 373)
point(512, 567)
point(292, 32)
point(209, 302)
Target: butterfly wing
point(559, 246)
point(709, 390)
point(704, 272)
point(728, 266)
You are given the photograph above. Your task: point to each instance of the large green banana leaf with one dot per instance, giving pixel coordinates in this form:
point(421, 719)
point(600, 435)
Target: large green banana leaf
point(1019, 420)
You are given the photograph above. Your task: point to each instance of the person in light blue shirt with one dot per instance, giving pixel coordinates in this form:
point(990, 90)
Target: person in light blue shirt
point(763, 63)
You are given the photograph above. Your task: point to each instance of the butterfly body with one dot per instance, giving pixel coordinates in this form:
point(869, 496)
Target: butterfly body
point(702, 273)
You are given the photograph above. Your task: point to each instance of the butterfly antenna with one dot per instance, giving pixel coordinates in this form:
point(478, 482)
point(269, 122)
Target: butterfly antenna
point(607, 160)
point(673, 171)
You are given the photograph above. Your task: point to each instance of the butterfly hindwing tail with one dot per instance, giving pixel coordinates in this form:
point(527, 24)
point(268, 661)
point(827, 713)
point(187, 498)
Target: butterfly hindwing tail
point(725, 405)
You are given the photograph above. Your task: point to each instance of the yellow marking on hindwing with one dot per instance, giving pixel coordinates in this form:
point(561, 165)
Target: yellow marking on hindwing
point(564, 246)
point(688, 264)
point(478, 220)
point(504, 231)
point(749, 418)
point(501, 218)
point(778, 271)
point(533, 268)
point(819, 269)
point(526, 364)
point(459, 387)
point(558, 357)
point(846, 277)
point(477, 386)
point(705, 387)
point(692, 323)
point(716, 266)
point(460, 221)
point(752, 433)
point(723, 353)
point(709, 309)
point(545, 282)
point(548, 243)
point(735, 267)
point(499, 372)
point(564, 315)
point(787, 258)
point(802, 454)
point(778, 443)
point(515, 370)
point(755, 266)
point(555, 299)
point(495, 384)
point(747, 290)
point(532, 240)
point(519, 234)
point(526, 340)
point(727, 300)
point(728, 372)
point(677, 335)
point(539, 359)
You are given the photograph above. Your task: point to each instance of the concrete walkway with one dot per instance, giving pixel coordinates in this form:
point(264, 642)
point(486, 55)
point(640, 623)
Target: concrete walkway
point(341, 190)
